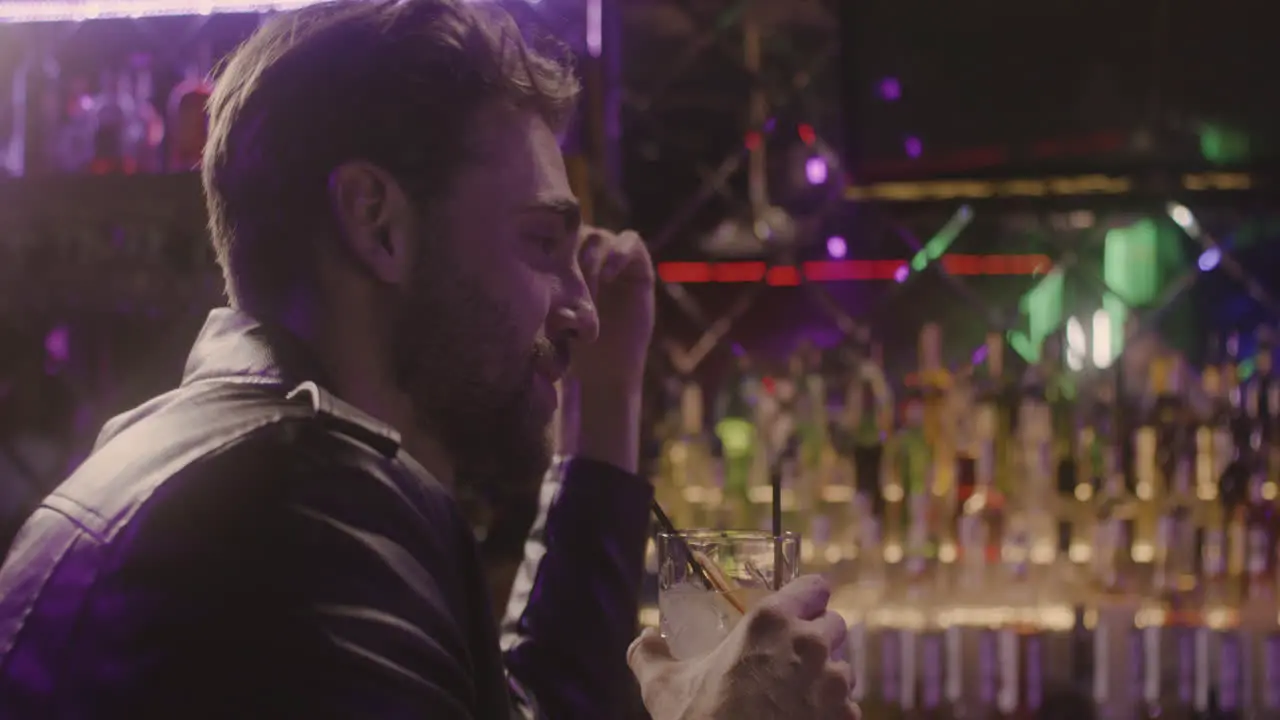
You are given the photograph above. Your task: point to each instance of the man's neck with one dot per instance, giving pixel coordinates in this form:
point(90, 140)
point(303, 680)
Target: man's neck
point(357, 373)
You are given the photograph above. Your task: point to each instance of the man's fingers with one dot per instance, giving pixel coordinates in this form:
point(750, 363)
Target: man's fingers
point(804, 598)
point(591, 256)
point(833, 630)
point(648, 656)
point(834, 686)
point(627, 258)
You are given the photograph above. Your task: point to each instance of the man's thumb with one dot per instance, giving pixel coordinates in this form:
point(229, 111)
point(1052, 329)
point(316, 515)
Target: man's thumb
point(649, 655)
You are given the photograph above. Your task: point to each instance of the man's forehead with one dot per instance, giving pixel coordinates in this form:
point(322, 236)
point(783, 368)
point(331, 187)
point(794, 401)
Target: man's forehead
point(523, 164)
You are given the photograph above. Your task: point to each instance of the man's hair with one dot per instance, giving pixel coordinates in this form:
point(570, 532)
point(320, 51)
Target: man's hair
point(397, 83)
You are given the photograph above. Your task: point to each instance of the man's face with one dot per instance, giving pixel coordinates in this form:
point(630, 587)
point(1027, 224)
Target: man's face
point(484, 329)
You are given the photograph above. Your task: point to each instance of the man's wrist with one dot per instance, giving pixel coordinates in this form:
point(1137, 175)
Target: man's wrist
point(607, 420)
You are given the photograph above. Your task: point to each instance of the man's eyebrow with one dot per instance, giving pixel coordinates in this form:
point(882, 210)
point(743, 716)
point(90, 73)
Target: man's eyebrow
point(566, 207)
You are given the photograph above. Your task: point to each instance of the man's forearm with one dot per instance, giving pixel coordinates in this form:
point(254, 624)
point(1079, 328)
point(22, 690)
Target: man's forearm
point(601, 423)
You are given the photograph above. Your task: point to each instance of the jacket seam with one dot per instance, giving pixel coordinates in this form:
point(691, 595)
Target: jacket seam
point(5, 656)
point(111, 549)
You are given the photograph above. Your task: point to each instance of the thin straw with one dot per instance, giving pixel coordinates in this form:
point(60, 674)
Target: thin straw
point(711, 576)
point(775, 478)
point(669, 528)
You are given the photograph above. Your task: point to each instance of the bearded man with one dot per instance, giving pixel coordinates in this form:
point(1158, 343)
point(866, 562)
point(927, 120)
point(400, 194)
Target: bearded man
point(408, 282)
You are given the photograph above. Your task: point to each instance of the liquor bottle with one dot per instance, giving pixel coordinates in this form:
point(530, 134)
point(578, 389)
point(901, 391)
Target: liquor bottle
point(913, 466)
point(863, 598)
point(686, 460)
point(34, 115)
point(1115, 512)
point(867, 422)
point(76, 127)
point(935, 387)
point(815, 442)
point(923, 653)
point(117, 127)
point(781, 429)
point(814, 451)
point(962, 404)
point(1147, 457)
point(1259, 632)
point(974, 579)
point(1061, 395)
point(1020, 641)
point(188, 120)
point(1262, 396)
point(1225, 644)
point(1094, 458)
point(1215, 449)
point(1037, 498)
point(1117, 666)
point(869, 418)
point(737, 434)
point(1260, 524)
point(993, 430)
point(150, 123)
point(1180, 529)
point(1220, 598)
point(1233, 484)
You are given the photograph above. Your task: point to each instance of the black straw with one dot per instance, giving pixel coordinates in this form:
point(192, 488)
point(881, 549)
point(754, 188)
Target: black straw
point(778, 558)
point(669, 528)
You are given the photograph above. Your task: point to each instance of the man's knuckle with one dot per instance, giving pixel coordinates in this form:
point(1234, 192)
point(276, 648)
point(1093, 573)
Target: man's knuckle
point(836, 676)
point(767, 620)
point(809, 642)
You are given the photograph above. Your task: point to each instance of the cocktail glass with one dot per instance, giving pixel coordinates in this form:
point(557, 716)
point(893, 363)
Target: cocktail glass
point(699, 606)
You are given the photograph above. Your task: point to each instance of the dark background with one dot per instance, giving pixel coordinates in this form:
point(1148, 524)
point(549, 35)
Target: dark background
point(1010, 74)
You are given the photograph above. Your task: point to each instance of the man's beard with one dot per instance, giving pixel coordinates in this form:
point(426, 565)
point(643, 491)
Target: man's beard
point(448, 335)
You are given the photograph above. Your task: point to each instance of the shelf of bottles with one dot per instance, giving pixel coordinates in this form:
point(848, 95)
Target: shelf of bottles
point(111, 97)
point(101, 127)
point(997, 540)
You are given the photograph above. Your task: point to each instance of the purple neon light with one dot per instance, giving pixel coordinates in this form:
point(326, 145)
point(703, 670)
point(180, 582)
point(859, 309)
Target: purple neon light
point(815, 170)
point(595, 27)
point(31, 11)
point(837, 247)
point(890, 89)
point(35, 11)
point(57, 344)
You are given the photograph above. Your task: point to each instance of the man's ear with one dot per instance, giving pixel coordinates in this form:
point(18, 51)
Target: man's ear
point(374, 216)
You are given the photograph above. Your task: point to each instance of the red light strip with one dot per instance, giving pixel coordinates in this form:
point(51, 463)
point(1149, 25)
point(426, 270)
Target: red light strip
point(845, 270)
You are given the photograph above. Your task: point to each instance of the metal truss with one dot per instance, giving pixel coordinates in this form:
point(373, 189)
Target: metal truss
point(761, 105)
point(715, 35)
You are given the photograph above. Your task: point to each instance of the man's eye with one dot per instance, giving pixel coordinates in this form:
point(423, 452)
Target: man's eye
point(549, 244)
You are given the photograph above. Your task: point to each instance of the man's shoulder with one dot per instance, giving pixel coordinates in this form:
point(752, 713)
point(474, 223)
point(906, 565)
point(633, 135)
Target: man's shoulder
point(200, 465)
point(212, 458)
point(238, 437)
point(219, 507)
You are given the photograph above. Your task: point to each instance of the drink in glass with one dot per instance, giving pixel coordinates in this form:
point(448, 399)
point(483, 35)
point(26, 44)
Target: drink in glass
point(707, 579)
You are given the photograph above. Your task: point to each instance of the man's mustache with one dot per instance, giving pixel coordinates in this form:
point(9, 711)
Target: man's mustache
point(546, 350)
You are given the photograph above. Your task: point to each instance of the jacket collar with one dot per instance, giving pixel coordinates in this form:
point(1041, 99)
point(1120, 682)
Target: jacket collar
point(235, 346)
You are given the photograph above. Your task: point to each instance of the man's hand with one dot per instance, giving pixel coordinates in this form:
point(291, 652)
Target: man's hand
point(620, 275)
point(600, 399)
point(775, 665)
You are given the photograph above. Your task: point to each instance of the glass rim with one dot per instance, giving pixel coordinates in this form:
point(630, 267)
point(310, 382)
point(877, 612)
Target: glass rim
point(729, 535)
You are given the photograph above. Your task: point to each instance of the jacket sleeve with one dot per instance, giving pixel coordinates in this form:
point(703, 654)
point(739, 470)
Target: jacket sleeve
point(334, 597)
point(574, 605)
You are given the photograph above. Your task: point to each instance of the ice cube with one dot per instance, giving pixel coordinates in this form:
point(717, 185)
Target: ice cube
point(694, 621)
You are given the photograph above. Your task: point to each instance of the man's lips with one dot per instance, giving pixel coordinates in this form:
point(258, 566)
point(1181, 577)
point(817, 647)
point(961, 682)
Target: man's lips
point(552, 368)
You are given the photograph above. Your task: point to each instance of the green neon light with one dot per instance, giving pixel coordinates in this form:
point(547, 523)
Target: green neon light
point(941, 240)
